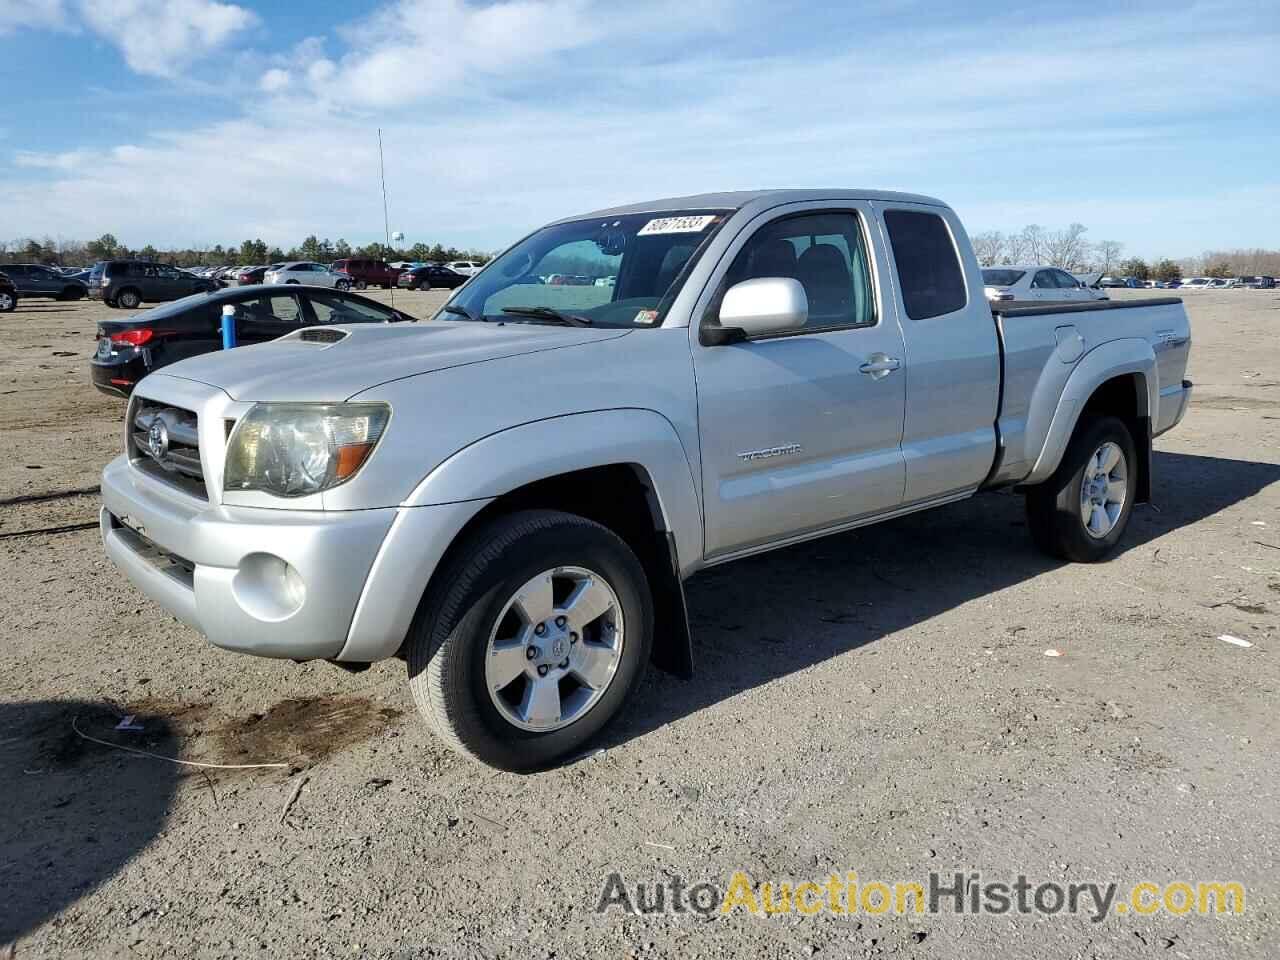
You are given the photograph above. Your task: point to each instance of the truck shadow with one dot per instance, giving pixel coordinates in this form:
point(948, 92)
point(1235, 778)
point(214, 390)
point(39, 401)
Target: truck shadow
point(768, 616)
point(75, 813)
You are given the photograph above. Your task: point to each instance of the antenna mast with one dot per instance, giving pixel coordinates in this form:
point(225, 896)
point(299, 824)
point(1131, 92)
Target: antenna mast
point(386, 221)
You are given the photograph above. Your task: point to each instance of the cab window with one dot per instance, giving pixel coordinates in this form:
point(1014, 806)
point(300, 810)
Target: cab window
point(827, 253)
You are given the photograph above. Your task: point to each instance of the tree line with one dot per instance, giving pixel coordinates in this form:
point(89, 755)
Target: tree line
point(1070, 250)
point(1067, 248)
point(248, 253)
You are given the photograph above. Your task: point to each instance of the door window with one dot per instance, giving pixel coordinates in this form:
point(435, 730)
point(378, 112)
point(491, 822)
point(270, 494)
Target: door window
point(329, 308)
point(928, 267)
point(1043, 281)
point(827, 253)
point(1065, 280)
point(275, 308)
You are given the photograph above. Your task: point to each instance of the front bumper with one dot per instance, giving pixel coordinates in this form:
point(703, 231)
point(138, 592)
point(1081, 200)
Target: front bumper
point(275, 583)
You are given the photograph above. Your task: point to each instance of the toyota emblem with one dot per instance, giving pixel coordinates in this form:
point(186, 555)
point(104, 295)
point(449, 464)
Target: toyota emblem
point(158, 439)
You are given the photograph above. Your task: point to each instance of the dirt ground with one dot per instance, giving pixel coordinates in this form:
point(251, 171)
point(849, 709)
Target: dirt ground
point(878, 702)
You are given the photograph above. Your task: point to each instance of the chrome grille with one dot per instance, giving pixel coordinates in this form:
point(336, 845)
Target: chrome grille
point(164, 442)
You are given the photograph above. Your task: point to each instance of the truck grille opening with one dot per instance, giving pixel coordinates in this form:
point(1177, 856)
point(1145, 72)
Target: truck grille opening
point(164, 443)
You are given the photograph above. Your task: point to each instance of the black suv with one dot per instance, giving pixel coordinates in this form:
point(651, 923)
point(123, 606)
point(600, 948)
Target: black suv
point(128, 283)
point(36, 280)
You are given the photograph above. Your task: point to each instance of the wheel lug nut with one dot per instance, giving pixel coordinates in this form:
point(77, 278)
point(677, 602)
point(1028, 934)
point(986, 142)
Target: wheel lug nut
point(540, 629)
point(561, 621)
point(542, 670)
point(573, 638)
point(531, 653)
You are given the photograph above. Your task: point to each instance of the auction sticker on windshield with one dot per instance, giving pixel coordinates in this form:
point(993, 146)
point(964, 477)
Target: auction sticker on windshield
point(676, 225)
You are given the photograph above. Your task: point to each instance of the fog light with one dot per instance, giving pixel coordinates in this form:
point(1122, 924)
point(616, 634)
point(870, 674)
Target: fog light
point(267, 588)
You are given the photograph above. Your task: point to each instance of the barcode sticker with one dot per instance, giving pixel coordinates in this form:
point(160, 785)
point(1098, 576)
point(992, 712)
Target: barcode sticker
point(676, 225)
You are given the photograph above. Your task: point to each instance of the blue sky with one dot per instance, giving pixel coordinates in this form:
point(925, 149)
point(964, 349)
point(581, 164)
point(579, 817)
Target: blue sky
point(182, 122)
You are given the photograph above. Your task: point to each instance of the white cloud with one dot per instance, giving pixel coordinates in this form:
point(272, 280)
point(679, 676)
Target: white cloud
point(38, 14)
point(162, 37)
point(556, 106)
point(274, 80)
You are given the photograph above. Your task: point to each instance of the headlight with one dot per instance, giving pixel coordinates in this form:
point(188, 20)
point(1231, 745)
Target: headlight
point(295, 449)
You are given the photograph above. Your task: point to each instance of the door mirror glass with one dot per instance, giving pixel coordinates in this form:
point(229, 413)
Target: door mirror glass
point(766, 305)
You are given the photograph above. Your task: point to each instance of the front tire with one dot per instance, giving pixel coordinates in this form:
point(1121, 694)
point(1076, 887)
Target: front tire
point(531, 639)
point(342, 285)
point(1081, 512)
point(8, 302)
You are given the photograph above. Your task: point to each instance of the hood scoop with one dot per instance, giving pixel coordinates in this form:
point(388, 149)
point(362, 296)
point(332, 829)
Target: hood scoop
point(322, 335)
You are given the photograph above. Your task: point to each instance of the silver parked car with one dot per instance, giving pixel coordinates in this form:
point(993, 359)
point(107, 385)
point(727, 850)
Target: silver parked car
point(308, 272)
point(1036, 285)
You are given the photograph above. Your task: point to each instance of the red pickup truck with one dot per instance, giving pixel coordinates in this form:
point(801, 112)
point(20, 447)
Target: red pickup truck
point(365, 272)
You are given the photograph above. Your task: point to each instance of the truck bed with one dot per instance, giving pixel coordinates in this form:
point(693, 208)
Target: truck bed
point(1041, 347)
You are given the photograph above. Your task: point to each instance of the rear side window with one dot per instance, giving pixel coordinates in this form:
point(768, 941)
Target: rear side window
point(928, 268)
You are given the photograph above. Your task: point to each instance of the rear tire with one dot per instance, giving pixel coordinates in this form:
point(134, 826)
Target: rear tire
point(8, 302)
point(129, 299)
point(515, 582)
point(1081, 512)
point(360, 284)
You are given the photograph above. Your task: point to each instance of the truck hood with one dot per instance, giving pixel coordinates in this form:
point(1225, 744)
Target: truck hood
point(301, 367)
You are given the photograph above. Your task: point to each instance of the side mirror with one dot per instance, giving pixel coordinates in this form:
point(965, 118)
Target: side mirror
point(763, 306)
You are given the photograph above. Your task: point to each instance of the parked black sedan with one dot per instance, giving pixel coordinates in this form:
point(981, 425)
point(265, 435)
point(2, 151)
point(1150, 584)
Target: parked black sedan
point(8, 294)
point(131, 348)
point(430, 275)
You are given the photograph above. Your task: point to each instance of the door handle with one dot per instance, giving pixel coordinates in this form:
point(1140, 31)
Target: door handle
point(879, 366)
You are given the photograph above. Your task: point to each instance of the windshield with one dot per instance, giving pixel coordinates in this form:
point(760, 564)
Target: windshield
point(1001, 278)
point(621, 271)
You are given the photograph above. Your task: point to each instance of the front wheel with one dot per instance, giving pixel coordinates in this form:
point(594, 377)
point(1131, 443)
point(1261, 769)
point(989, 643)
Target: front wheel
point(8, 302)
point(1081, 512)
point(343, 285)
point(531, 640)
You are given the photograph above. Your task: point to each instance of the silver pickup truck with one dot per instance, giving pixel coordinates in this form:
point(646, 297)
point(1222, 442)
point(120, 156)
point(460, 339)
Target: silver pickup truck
point(510, 496)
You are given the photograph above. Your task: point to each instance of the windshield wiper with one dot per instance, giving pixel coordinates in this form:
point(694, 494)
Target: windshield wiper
point(460, 311)
point(547, 313)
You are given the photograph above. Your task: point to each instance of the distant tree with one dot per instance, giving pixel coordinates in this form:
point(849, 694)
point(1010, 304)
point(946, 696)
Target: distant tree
point(1033, 243)
point(341, 249)
point(253, 252)
point(104, 248)
point(1219, 268)
point(310, 248)
point(1166, 270)
point(1136, 267)
point(148, 252)
point(989, 247)
point(1067, 248)
point(274, 255)
point(1108, 254)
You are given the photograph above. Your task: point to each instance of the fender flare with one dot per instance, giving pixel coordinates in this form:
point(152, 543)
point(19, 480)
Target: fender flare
point(1115, 358)
point(512, 458)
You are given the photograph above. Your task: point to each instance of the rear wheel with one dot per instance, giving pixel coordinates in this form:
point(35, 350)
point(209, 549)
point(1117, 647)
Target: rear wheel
point(360, 284)
point(130, 299)
point(531, 640)
point(1081, 512)
point(8, 302)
